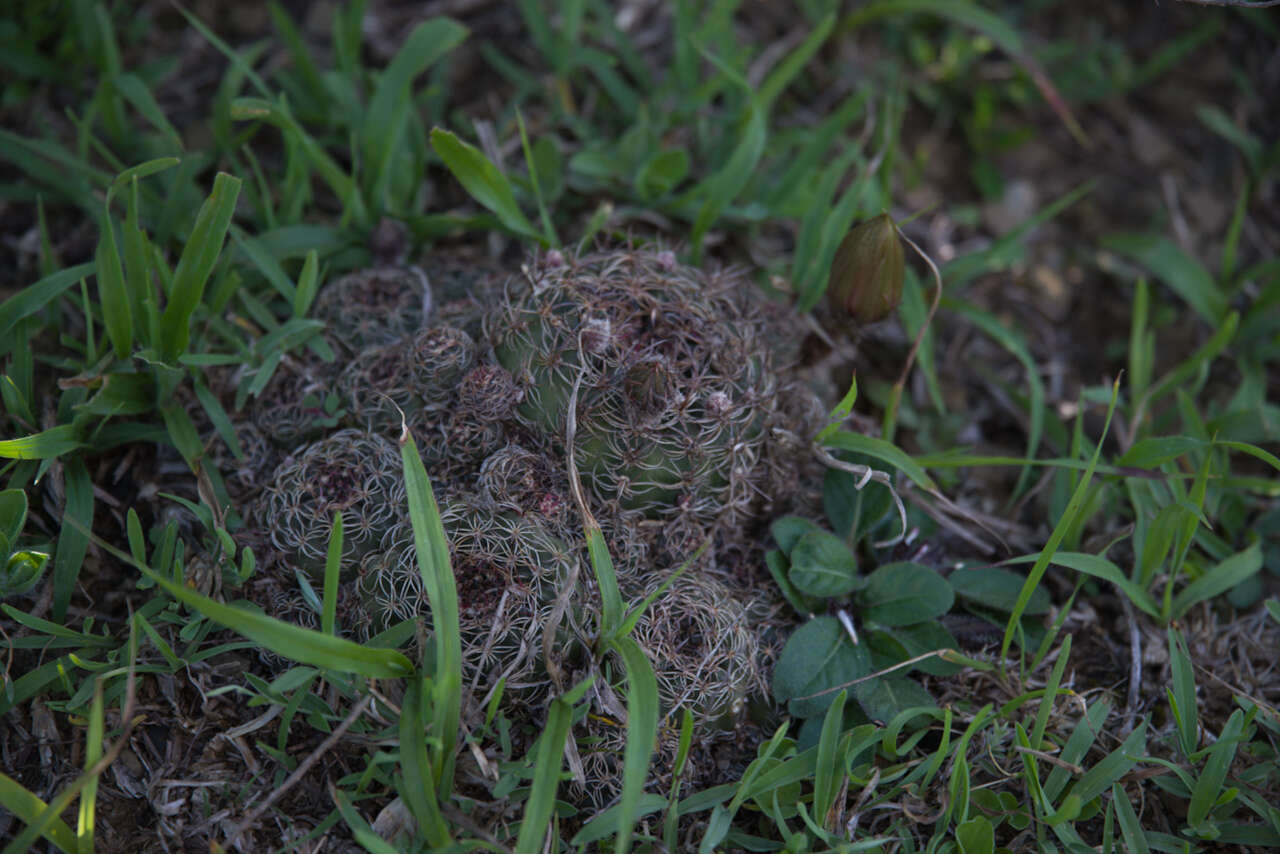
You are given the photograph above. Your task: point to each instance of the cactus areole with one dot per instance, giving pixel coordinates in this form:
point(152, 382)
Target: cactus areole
point(677, 387)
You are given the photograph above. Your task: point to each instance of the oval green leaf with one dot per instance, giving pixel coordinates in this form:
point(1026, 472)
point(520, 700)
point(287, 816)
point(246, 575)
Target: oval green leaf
point(899, 594)
point(822, 565)
point(997, 588)
point(818, 657)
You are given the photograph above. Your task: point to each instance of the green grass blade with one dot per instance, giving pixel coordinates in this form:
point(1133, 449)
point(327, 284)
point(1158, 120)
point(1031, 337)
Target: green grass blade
point(1111, 767)
point(1135, 839)
point(24, 804)
point(383, 127)
point(1219, 579)
point(1186, 276)
point(418, 788)
point(1099, 567)
point(546, 771)
point(308, 285)
point(92, 753)
point(1182, 694)
point(1065, 524)
point(131, 87)
point(607, 578)
point(432, 548)
point(45, 445)
point(73, 539)
point(36, 296)
point(332, 566)
point(719, 189)
point(483, 181)
point(1013, 342)
point(305, 646)
point(1205, 794)
point(830, 766)
point(882, 450)
point(113, 296)
point(642, 732)
point(361, 832)
point(531, 163)
point(196, 264)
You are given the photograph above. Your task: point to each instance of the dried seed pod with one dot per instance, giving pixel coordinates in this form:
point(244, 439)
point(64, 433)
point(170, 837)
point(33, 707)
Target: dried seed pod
point(867, 273)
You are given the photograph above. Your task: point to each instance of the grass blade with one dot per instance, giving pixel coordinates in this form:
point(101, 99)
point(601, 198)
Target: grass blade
point(484, 182)
point(1205, 794)
point(418, 788)
point(642, 732)
point(92, 753)
point(332, 565)
point(196, 264)
point(546, 771)
point(384, 122)
point(432, 549)
point(34, 297)
point(45, 445)
point(24, 804)
point(1182, 694)
point(1065, 524)
point(827, 774)
point(73, 539)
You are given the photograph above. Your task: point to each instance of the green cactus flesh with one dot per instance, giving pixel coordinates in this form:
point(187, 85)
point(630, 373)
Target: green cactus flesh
point(675, 384)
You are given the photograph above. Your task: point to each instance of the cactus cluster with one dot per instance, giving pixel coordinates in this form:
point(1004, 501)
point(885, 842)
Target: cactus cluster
point(679, 438)
point(675, 382)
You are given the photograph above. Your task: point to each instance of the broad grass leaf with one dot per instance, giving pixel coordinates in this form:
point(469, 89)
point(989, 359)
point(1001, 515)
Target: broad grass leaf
point(483, 181)
point(13, 514)
point(817, 657)
point(73, 539)
point(44, 445)
point(113, 296)
point(418, 785)
point(1153, 452)
point(998, 589)
point(830, 767)
point(547, 759)
point(822, 565)
point(1100, 777)
point(384, 123)
point(1219, 579)
point(899, 594)
point(36, 296)
point(1099, 567)
point(196, 264)
point(1185, 275)
point(27, 806)
point(642, 732)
